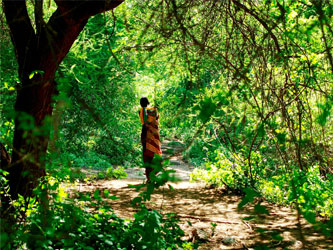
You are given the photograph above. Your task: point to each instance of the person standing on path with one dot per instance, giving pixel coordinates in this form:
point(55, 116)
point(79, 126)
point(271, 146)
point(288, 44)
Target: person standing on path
point(150, 136)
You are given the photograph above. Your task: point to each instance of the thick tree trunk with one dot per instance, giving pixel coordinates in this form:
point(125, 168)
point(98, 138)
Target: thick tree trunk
point(34, 101)
point(39, 55)
point(31, 136)
point(34, 104)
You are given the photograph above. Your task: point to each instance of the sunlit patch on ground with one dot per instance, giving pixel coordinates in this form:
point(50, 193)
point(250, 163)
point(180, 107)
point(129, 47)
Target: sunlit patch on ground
point(210, 216)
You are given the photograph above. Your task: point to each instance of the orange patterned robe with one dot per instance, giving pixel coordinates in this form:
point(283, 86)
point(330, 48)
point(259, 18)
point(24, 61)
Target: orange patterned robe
point(149, 118)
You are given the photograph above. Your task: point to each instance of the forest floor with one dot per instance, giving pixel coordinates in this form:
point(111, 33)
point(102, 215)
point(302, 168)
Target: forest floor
point(199, 207)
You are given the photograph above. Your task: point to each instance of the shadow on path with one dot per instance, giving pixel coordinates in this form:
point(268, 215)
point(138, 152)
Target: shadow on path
point(199, 208)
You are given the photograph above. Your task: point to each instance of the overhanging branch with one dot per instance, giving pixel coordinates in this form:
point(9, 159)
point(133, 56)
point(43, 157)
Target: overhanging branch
point(86, 8)
point(261, 21)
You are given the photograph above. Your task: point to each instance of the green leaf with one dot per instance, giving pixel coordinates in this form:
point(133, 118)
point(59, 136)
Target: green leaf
point(113, 197)
point(325, 112)
point(109, 242)
point(259, 209)
point(310, 217)
point(3, 239)
point(96, 195)
point(263, 247)
point(249, 218)
point(276, 236)
point(207, 109)
point(35, 72)
point(281, 137)
point(136, 201)
point(250, 194)
point(137, 187)
point(261, 130)
point(261, 230)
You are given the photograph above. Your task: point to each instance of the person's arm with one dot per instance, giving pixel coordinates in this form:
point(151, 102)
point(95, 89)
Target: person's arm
point(141, 114)
point(144, 116)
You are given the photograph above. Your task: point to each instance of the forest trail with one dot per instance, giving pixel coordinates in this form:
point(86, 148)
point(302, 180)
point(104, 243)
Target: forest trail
point(210, 216)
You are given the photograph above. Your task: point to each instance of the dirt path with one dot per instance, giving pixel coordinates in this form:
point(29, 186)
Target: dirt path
point(199, 207)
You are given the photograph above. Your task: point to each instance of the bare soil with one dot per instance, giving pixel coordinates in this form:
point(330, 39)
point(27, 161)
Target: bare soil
point(198, 207)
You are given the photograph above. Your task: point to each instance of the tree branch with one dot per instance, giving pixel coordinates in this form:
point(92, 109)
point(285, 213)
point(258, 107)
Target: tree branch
point(38, 16)
point(5, 157)
point(65, 25)
point(262, 22)
point(86, 8)
point(22, 33)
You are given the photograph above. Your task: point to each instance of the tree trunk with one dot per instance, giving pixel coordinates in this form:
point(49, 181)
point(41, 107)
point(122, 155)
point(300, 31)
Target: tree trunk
point(37, 69)
point(31, 136)
point(5, 157)
point(39, 55)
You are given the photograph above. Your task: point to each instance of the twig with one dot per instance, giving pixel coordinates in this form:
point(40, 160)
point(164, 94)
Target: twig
point(206, 219)
point(247, 224)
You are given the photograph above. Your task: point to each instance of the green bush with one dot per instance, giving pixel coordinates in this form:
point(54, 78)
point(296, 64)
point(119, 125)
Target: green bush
point(72, 226)
point(118, 173)
point(288, 185)
point(88, 221)
point(222, 172)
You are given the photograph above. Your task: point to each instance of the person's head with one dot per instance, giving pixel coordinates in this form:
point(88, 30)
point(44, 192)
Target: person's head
point(144, 102)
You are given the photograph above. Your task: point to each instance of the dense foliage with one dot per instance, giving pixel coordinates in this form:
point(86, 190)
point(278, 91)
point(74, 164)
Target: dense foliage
point(246, 85)
point(87, 221)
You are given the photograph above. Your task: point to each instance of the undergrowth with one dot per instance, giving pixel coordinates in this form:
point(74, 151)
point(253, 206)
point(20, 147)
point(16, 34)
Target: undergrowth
point(311, 191)
point(89, 222)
